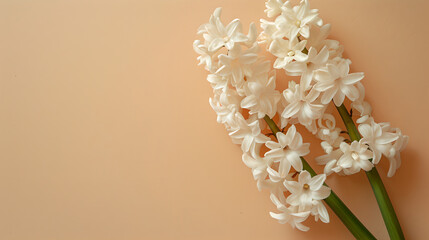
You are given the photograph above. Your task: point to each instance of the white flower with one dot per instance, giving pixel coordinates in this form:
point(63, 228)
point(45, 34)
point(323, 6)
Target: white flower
point(296, 20)
point(383, 140)
point(286, 51)
point(261, 68)
point(301, 105)
point(218, 82)
point(261, 96)
point(356, 156)
point(273, 8)
point(365, 119)
point(318, 39)
point(364, 108)
point(307, 193)
point(252, 35)
point(248, 135)
point(237, 63)
point(335, 82)
point(378, 139)
point(258, 165)
point(306, 68)
point(269, 31)
point(276, 188)
point(330, 161)
point(329, 134)
point(394, 153)
point(289, 215)
point(217, 35)
point(293, 22)
point(348, 159)
point(205, 57)
point(287, 152)
point(226, 104)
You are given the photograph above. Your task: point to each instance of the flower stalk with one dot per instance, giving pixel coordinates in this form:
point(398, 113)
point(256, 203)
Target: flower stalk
point(383, 200)
point(357, 229)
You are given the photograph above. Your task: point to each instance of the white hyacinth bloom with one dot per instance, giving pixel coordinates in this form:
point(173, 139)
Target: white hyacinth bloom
point(249, 135)
point(330, 161)
point(273, 8)
point(394, 155)
point(261, 96)
point(205, 57)
point(319, 35)
point(378, 139)
point(289, 215)
point(218, 82)
point(336, 82)
point(269, 32)
point(348, 159)
point(287, 152)
point(226, 104)
point(364, 108)
point(217, 35)
point(276, 188)
point(237, 63)
point(306, 68)
point(252, 35)
point(297, 20)
point(329, 134)
point(307, 193)
point(286, 51)
point(258, 165)
point(356, 156)
point(301, 105)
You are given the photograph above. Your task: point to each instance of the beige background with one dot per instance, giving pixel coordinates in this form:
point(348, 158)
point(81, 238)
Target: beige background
point(106, 131)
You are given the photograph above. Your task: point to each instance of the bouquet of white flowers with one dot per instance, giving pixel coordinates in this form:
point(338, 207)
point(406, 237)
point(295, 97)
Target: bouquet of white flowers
point(246, 101)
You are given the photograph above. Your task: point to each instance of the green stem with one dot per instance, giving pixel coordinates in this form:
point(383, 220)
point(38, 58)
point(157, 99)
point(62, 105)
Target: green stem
point(358, 230)
point(384, 203)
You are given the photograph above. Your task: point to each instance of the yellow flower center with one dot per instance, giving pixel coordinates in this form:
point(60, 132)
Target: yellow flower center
point(291, 53)
point(298, 23)
point(306, 186)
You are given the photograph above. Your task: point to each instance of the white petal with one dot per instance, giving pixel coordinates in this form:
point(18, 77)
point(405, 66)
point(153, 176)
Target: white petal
point(248, 102)
point(272, 145)
point(249, 161)
point(293, 186)
point(245, 145)
point(284, 168)
point(365, 130)
point(323, 213)
point(339, 98)
point(352, 78)
point(291, 109)
point(387, 138)
point(351, 92)
point(322, 193)
point(216, 44)
point(290, 134)
point(304, 177)
point(283, 139)
point(295, 160)
point(328, 95)
point(317, 181)
point(296, 67)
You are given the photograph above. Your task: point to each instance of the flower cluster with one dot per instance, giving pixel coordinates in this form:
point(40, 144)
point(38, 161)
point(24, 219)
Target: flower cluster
point(298, 38)
point(244, 86)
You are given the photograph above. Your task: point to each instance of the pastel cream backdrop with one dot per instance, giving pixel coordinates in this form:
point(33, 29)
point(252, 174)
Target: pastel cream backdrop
point(106, 131)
